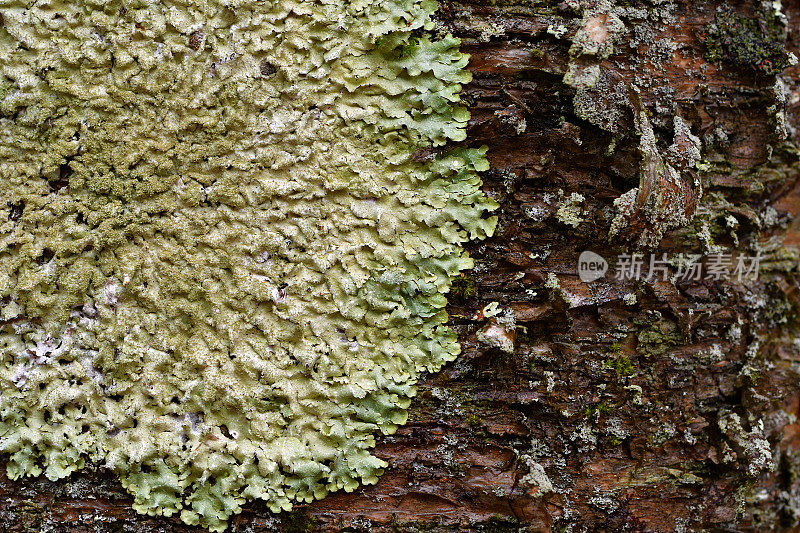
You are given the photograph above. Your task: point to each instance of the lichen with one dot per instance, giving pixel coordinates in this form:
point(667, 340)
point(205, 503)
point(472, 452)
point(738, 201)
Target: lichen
point(223, 265)
point(599, 30)
point(536, 478)
point(569, 210)
point(656, 335)
point(669, 188)
point(754, 44)
point(752, 444)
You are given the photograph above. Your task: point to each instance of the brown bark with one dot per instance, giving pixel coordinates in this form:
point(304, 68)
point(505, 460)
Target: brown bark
point(627, 407)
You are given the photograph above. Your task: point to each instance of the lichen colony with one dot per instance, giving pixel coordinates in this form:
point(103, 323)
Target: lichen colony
point(223, 258)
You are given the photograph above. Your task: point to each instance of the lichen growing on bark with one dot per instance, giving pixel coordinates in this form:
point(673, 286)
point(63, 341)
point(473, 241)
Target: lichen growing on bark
point(752, 44)
point(222, 264)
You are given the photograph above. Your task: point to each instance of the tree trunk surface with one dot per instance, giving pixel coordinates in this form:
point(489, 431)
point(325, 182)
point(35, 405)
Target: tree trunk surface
point(618, 404)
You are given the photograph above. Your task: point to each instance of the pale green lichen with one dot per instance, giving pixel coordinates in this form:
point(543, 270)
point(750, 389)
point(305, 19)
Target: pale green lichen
point(222, 269)
point(500, 331)
point(570, 211)
point(536, 477)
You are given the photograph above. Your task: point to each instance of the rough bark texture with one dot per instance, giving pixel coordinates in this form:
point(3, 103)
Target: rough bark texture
point(674, 410)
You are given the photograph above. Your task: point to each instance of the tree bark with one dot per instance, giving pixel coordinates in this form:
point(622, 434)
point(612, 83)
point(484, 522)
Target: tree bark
point(619, 404)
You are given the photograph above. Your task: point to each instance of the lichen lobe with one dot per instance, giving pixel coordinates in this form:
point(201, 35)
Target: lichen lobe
point(221, 269)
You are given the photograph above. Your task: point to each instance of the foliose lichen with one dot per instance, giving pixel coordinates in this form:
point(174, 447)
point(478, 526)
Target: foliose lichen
point(222, 265)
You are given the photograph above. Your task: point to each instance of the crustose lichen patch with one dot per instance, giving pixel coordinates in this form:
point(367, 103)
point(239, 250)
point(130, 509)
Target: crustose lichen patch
point(222, 269)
